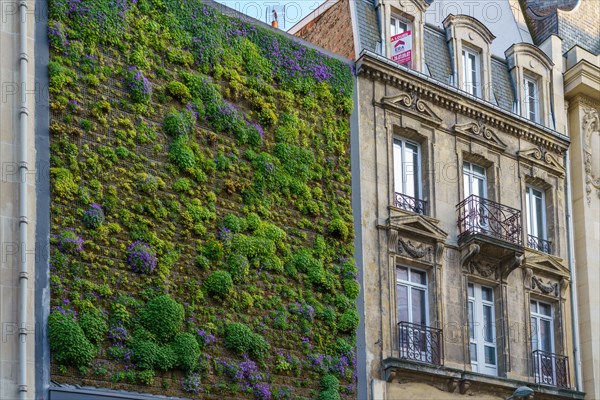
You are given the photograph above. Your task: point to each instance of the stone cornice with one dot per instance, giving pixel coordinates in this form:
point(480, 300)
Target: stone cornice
point(442, 95)
point(582, 78)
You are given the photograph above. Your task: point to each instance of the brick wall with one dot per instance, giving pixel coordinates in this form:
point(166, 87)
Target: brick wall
point(332, 30)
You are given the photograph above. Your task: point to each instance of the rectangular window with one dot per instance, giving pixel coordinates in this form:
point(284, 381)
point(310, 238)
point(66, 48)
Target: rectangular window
point(407, 176)
point(475, 183)
point(471, 75)
point(546, 367)
point(411, 286)
point(482, 329)
point(535, 205)
point(531, 99)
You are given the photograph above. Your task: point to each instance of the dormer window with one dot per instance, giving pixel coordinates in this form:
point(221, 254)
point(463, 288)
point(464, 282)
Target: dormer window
point(531, 99)
point(471, 43)
point(403, 23)
point(532, 69)
point(398, 25)
point(471, 72)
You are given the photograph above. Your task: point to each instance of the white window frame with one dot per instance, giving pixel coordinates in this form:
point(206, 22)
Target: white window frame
point(530, 206)
point(471, 77)
point(538, 317)
point(401, 171)
point(470, 175)
point(418, 334)
point(532, 113)
point(477, 329)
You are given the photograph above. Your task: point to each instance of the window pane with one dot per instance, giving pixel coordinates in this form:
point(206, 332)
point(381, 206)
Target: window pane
point(402, 273)
point(545, 335)
point(479, 170)
point(534, 334)
point(488, 324)
point(487, 294)
point(471, 321)
point(470, 290)
point(398, 167)
point(534, 306)
point(539, 217)
point(418, 306)
point(409, 170)
point(419, 277)
point(473, 351)
point(402, 303)
point(490, 355)
point(545, 309)
point(530, 224)
point(467, 185)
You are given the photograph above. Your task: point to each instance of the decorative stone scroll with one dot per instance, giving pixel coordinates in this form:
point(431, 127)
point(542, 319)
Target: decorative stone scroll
point(411, 102)
point(542, 155)
point(480, 130)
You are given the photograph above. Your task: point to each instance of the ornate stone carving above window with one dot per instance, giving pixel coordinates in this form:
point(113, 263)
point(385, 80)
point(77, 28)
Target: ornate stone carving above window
point(481, 132)
point(546, 274)
point(543, 158)
point(412, 103)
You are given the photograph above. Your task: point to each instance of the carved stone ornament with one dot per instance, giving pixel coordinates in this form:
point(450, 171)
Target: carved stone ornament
point(547, 288)
point(542, 154)
point(480, 130)
point(413, 103)
point(591, 130)
point(392, 240)
point(484, 269)
point(412, 250)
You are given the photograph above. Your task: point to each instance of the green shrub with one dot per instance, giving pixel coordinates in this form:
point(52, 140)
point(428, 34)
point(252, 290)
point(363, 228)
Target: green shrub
point(330, 382)
point(329, 395)
point(240, 339)
point(63, 183)
point(162, 316)
point(165, 358)
point(186, 350)
point(182, 185)
point(238, 266)
point(144, 353)
point(181, 154)
point(352, 288)
point(178, 123)
point(179, 91)
point(94, 326)
point(219, 284)
point(202, 262)
point(68, 342)
point(338, 227)
point(234, 223)
point(348, 321)
point(146, 377)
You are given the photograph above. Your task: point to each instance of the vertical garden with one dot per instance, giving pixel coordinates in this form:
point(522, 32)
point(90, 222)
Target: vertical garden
point(202, 228)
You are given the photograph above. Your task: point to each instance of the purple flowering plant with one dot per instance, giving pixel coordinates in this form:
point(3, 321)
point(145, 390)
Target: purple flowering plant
point(69, 242)
point(93, 217)
point(141, 258)
point(140, 88)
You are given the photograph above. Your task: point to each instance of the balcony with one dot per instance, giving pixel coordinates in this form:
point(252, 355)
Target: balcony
point(421, 343)
point(551, 369)
point(410, 204)
point(536, 243)
point(480, 216)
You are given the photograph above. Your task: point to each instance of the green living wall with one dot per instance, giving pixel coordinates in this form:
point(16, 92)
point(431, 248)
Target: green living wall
point(201, 220)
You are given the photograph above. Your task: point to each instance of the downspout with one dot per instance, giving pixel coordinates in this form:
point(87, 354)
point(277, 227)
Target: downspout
point(572, 272)
point(380, 18)
point(23, 219)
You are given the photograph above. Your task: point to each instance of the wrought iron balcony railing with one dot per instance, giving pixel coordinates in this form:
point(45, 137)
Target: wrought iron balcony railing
point(411, 204)
point(477, 215)
point(551, 369)
point(421, 343)
point(534, 242)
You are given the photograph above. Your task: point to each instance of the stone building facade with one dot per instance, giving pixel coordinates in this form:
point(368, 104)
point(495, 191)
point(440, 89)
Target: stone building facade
point(462, 204)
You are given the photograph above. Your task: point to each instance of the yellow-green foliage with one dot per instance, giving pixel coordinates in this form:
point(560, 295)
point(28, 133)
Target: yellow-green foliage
point(224, 148)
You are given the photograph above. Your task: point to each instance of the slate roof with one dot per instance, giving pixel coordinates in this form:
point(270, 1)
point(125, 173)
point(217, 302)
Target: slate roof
point(368, 26)
point(502, 85)
point(437, 56)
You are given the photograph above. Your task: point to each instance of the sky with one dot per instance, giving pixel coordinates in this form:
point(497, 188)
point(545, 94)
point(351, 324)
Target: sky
point(295, 10)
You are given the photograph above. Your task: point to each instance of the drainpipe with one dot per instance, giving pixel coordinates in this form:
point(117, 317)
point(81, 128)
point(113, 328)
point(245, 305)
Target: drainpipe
point(572, 272)
point(23, 219)
point(381, 19)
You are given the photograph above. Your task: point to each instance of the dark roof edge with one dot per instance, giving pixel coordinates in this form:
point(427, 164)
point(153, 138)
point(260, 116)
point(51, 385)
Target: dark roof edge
point(455, 90)
point(96, 393)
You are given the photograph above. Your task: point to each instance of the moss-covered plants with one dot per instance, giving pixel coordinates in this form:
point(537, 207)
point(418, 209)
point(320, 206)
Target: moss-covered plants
point(201, 220)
